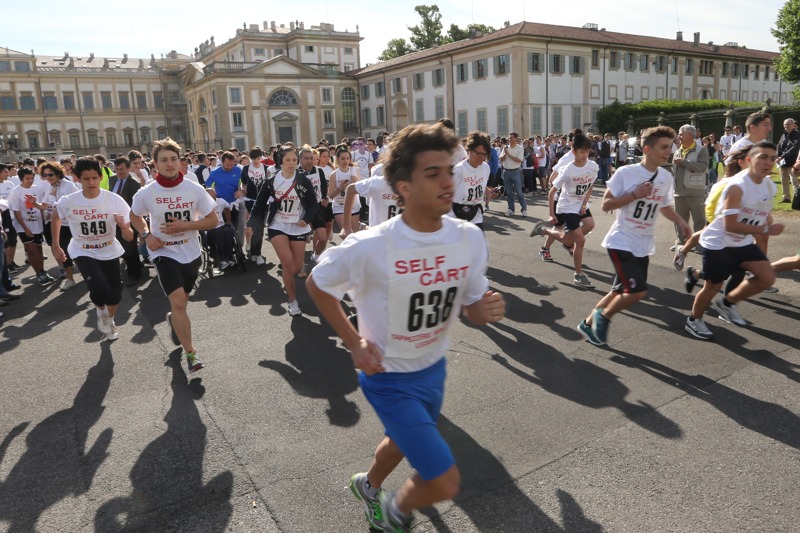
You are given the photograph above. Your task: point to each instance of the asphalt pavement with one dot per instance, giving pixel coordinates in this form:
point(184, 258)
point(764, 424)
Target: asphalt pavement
point(658, 432)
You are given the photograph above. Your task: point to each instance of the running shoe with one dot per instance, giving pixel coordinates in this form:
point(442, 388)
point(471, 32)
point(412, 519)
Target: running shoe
point(569, 249)
point(260, 260)
point(193, 362)
point(691, 280)
point(537, 229)
point(68, 284)
point(103, 322)
point(771, 290)
point(728, 313)
point(294, 308)
point(224, 265)
point(582, 280)
point(114, 333)
point(44, 279)
point(509, 213)
point(544, 253)
point(372, 507)
point(600, 326)
point(674, 247)
point(13, 267)
point(172, 335)
point(62, 273)
point(679, 259)
point(698, 328)
point(524, 213)
point(388, 521)
point(586, 330)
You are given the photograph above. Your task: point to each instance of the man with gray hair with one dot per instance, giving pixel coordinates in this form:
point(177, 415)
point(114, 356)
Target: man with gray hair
point(691, 165)
point(788, 148)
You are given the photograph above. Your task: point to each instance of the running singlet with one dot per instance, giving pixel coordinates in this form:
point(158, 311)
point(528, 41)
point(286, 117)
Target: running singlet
point(337, 177)
point(573, 182)
point(31, 215)
point(186, 201)
point(314, 177)
point(755, 207)
point(289, 209)
point(91, 221)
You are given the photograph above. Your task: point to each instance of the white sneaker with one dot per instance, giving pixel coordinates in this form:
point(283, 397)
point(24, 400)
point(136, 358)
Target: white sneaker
point(114, 333)
point(728, 313)
point(260, 260)
point(224, 264)
point(68, 284)
point(524, 213)
point(102, 322)
point(254, 258)
point(509, 213)
point(698, 328)
point(294, 308)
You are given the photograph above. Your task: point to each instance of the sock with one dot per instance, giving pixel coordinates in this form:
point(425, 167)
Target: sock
point(371, 491)
point(726, 302)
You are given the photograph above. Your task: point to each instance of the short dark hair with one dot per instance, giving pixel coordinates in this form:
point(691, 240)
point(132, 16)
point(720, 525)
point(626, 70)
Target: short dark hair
point(478, 138)
point(650, 136)
point(410, 142)
point(754, 119)
point(122, 160)
point(134, 154)
point(100, 157)
point(228, 155)
point(448, 123)
point(24, 171)
point(256, 152)
point(760, 146)
point(86, 163)
point(581, 142)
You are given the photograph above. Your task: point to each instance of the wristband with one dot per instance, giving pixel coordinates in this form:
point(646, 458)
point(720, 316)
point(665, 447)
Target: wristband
point(766, 228)
point(634, 195)
point(145, 235)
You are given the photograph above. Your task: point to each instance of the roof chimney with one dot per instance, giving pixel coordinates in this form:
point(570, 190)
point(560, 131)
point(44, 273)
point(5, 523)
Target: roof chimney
point(124, 58)
point(697, 38)
point(679, 36)
point(266, 25)
point(91, 57)
point(291, 26)
point(272, 25)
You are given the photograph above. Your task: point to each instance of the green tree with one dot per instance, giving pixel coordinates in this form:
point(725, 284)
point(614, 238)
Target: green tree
point(459, 34)
point(395, 48)
point(428, 33)
point(788, 36)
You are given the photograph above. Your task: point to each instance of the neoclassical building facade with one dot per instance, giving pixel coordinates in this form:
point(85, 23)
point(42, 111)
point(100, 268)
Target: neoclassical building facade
point(271, 83)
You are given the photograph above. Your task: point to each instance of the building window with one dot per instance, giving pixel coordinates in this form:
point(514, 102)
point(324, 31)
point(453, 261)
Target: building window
point(644, 62)
point(238, 122)
point(613, 60)
point(502, 65)
point(259, 51)
point(438, 77)
point(479, 69)
point(235, 95)
point(439, 107)
point(674, 65)
point(536, 120)
point(481, 115)
point(125, 101)
point(105, 100)
point(595, 58)
point(419, 110)
point(69, 100)
point(534, 62)
point(757, 72)
point(144, 133)
point(630, 61)
point(461, 72)
point(22, 66)
point(689, 65)
point(27, 102)
point(277, 52)
point(576, 65)
point(141, 100)
point(202, 105)
point(158, 99)
point(397, 86)
point(240, 144)
point(348, 108)
point(746, 71)
point(5, 66)
point(557, 124)
point(327, 118)
point(461, 120)
point(556, 64)
point(49, 101)
point(364, 92)
point(111, 139)
point(348, 51)
point(33, 141)
point(419, 81)
point(576, 117)
point(502, 121)
point(283, 97)
point(735, 70)
point(380, 116)
point(766, 73)
point(88, 101)
point(366, 118)
point(214, 97)
point(7, 103)
point(94, 141)
point(75, 140)
point(661, 63)
point(380, 89)
point(309, 48)
point(726, 70)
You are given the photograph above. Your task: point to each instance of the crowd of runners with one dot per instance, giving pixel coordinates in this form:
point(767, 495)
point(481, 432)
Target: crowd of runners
point(429, 262)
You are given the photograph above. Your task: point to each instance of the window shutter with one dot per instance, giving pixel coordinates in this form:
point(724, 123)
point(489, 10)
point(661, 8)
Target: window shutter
point(582, 65)
point(551, 63)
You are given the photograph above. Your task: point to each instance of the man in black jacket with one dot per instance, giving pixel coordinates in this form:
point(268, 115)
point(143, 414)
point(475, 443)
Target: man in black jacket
point(125, 185)
point(788, 148)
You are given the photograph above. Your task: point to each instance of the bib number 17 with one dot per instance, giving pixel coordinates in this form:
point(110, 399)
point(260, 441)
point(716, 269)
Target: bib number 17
point(439, 305)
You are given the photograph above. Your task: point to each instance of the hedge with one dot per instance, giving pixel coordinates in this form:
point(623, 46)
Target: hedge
point(614, 117)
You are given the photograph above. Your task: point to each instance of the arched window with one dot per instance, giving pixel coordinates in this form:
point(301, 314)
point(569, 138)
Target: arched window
point(348, 108)
point(283, 97)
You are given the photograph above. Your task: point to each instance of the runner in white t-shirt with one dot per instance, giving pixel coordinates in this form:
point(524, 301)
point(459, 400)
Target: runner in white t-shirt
point(58, 187)
point(638, 193)
point(379, 194)
point(25, 203)
point(409, 278)
point(10, 246)
point(471, 177)
point(178, 209)
point(93, 215)
point(337, 188)
point(327, 169)
point(320, 183)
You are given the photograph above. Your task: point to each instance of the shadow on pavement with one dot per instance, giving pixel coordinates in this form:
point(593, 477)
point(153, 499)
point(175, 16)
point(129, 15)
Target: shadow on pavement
point(167, 477)
point(318, 369)
point(489, 492)
point(576, 380)
point(56, 464)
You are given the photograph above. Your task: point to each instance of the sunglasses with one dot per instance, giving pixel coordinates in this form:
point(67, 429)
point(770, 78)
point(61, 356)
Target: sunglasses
point(48, 175)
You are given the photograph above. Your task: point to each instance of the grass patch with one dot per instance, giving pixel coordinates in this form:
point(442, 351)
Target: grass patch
point(781, 209)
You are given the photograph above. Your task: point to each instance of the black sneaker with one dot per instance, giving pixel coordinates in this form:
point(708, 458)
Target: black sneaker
point(690, 282)
point(44, 279)
point(174, 336)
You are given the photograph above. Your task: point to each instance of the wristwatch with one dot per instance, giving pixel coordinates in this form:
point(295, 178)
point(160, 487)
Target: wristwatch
point(145, 234)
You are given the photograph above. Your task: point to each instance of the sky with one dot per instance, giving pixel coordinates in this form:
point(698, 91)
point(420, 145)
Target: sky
point(145, 27)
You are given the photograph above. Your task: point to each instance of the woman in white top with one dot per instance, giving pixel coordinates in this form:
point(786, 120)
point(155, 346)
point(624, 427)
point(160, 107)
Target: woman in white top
point(337, 187)
point(59, 187)
point(93, 215)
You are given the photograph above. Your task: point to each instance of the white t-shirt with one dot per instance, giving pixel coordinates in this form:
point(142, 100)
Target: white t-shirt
point(540, 151)
point(5, 189)
point(65, 187)
point(573, 182)
point(755, 207)
point(744, 142)
point(380, 197)
point(191, 176)
point(314, 176)
point(470, 185)
point(517, 152)
point(91, 221)
point(727, 142)
point(220, 208)
point(360, 266)
point(290, 211)
point(566, 159)
point(185, 201)
point(32, 216)
point(634, 227)
point(361, 162)
point(459, 154)
point(337, 176)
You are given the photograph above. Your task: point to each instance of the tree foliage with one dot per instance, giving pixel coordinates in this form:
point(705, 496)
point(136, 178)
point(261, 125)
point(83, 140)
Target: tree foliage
point(786, 32)
point(428, 33)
